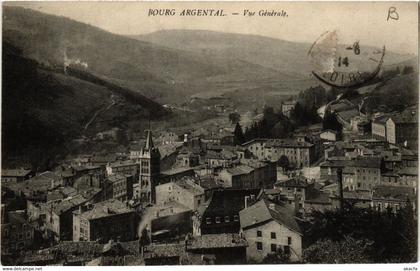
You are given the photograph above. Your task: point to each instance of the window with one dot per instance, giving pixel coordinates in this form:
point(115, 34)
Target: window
point(273, 247)
point(199, 202)
point(289, 240)
point(287, 249)
point(227, 218)
point(217, 219)
point(259, 233)
point(208, 220)
point(259, 246)
point(235, 218)
point(273, 235)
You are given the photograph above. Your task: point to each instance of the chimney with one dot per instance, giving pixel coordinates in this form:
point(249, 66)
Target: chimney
point(340, 188)
point(296, 203)
point(246, 201)
point(272, 206)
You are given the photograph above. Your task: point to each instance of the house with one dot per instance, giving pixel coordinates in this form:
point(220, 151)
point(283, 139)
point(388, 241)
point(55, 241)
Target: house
point(37, 187)
point(364, 173)
point(119, 187)
point(402, 129)
point(345, 117)
point(72, 173)
point(183, 191)
point(198, 250)
point(226, 248)
point(59, 217)
point(174, 174)
point(329, 168)
point(295, 189)
point(328, 135)
point(17, 234)
point(268, 227)
point(379, 127)
point(409, 177)
point(394, 197)
point(299, 153)
point(15, 175)
point(287, 107)
point(104, 221)
point(224, 159)
point(220, 214)
point(127, 167)
point(187, 159)
point(171, 227)
point(250, 174)
point(316, 200)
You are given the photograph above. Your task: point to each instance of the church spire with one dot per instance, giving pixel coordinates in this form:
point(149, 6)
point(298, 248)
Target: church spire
point(149, 141)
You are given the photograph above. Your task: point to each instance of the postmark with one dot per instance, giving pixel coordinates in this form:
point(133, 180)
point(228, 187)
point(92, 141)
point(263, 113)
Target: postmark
point(344, 65)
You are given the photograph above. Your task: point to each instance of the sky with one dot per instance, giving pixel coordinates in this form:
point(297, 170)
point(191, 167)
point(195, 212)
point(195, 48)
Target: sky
point(306, 21)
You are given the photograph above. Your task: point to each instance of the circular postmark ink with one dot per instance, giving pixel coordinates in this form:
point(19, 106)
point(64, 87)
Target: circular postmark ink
point(344, 65)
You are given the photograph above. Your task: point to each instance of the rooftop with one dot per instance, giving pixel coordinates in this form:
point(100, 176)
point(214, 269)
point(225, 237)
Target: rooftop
point(394, 192)
point(298, 181)
point(106, 208)
point(209, 241)
point(413, 171)
point(261, 212)
point(190, 185)
point(15, 172)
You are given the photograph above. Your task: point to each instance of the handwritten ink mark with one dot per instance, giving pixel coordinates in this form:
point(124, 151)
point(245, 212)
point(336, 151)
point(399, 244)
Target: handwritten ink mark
point(373, 59)
point(393, 14)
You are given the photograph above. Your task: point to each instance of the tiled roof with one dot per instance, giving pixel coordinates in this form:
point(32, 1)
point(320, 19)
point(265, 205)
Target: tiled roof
point(294, 182)
point(164, 250)
point(347, 115)
point(287, 143)
point(260, 212)
point(227, 202)
point(106, 208)
point(68, 204)
point(15, 172)
point(224, 155)
point(413, 171)
point(394, 192)
point(177, 170)
point(210, 241)
point(381, 119)
point(189, 185)
point(123, 163)
point(367, 162)
point(240, 170)
point(117, 177)
point(316, 196)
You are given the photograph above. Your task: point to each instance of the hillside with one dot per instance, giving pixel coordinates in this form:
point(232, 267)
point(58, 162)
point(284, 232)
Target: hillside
point(43, 109)
point(283, 56)
point(159, 72)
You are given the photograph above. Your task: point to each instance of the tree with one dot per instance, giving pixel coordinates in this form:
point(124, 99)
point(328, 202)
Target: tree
point(348, 250)
point(278, 257)
point(234, 117)
point(144, 239)
point(407, 70)
point(238, 136)
point(283, 162)
point(330, 122)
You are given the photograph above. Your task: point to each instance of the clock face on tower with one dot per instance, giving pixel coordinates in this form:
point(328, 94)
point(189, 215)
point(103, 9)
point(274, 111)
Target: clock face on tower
point(344, 65)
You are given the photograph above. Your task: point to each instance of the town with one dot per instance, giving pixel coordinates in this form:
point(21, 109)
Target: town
point(234, 134)
point(236, 198)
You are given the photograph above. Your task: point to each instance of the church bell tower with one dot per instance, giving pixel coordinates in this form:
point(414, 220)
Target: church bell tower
point(149, 170)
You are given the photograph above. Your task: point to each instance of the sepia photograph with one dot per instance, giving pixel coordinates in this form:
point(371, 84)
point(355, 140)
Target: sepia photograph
point(209, 133)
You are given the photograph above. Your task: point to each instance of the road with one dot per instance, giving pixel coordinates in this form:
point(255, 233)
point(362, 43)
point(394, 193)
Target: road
point(113, 102)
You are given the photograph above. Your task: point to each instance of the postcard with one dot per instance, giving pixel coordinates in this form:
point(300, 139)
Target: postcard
point(209, 133)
